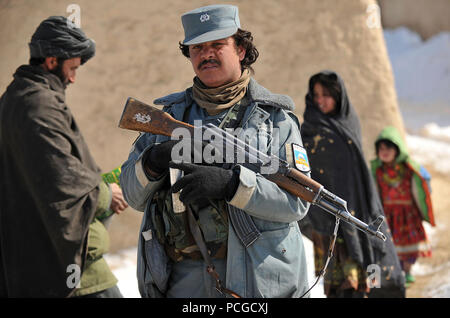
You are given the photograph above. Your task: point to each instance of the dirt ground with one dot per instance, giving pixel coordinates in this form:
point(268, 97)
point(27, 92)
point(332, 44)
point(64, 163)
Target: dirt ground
point(436, 268)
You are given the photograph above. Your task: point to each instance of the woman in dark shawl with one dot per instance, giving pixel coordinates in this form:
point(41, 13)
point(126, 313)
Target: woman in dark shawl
point(332, 136)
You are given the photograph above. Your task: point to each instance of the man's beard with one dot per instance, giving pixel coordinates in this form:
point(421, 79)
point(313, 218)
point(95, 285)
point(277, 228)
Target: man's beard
point(59, 72)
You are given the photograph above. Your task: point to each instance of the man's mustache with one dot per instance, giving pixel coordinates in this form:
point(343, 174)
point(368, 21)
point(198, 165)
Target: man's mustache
point(211, 61)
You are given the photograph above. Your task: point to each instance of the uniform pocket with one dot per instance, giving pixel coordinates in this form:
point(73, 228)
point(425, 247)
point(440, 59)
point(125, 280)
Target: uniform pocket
point(156, 265)
point(276, 261)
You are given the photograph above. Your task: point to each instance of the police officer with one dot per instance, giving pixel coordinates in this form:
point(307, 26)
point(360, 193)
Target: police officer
point(268, 261)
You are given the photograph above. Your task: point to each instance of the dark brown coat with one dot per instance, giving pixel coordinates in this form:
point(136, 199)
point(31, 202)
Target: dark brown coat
point(49, 186)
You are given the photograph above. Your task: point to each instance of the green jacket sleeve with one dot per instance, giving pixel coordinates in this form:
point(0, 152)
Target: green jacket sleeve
point(104, 200)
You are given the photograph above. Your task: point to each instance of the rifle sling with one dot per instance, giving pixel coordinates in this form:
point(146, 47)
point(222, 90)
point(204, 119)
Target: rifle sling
point(198, 237)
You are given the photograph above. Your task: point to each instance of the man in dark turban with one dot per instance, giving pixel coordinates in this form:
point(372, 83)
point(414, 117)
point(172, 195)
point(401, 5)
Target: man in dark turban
point(58, 39)
point(52, 197)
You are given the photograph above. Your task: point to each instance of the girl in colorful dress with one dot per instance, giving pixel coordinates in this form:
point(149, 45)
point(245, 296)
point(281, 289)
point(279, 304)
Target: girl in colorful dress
point(405, 193)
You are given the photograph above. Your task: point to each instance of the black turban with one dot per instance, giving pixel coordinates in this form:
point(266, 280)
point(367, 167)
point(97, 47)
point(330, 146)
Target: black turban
point(59, 37)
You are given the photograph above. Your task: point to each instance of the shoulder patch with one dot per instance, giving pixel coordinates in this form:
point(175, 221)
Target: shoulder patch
point(301, 161)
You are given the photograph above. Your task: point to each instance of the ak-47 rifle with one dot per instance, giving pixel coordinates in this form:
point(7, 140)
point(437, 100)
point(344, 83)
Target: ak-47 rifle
point(141, 117)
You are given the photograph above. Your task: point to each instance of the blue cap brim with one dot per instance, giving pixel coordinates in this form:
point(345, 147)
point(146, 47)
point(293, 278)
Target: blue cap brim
point(210, 36)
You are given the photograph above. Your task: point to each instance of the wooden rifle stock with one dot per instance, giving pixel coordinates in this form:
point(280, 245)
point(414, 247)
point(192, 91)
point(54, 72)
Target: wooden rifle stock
point(291, 186)
point(145, 118)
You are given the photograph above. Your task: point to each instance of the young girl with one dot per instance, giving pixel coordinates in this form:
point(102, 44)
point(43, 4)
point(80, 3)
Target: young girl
point(405, 194)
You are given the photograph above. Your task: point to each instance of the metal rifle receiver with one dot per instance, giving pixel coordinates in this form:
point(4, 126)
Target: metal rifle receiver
point(338, 207)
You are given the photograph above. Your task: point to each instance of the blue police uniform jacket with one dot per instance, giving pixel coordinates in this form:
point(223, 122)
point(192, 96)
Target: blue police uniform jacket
point(274, 265)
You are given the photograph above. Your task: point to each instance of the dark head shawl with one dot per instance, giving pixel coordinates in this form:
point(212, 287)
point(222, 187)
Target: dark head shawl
point(58, 37)
point(345, 122)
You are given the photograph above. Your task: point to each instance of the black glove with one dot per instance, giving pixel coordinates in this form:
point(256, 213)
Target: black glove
point(205, 182)
point(158, 157)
